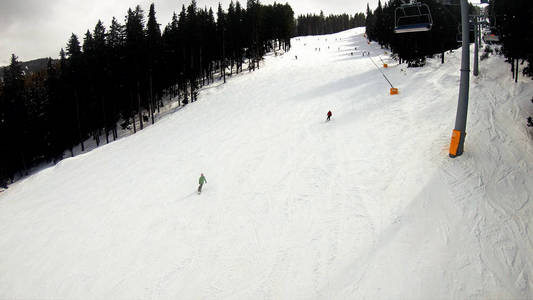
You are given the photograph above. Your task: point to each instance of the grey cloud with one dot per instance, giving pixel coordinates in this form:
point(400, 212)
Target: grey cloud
point(13, 11)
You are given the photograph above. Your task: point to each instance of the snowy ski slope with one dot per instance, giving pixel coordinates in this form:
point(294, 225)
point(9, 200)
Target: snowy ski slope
point(366, 206)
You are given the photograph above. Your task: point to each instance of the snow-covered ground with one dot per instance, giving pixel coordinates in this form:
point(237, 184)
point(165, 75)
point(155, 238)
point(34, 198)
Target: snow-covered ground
point(366, 206)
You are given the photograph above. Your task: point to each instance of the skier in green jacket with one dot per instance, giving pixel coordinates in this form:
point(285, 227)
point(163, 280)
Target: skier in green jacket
point(201, 181)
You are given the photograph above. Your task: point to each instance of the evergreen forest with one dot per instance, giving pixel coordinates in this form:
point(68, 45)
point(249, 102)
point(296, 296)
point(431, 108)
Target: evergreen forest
point(312, 24)
point(511, 20)
point(119, 77)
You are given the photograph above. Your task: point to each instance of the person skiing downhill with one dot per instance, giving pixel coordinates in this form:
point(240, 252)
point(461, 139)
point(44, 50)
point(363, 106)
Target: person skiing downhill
point(201, 181)
point(329, 115)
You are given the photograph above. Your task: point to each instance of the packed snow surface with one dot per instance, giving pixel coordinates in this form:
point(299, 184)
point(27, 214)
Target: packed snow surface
point(366, 206)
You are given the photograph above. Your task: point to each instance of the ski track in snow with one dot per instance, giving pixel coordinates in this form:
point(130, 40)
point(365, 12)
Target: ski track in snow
point(366, 206)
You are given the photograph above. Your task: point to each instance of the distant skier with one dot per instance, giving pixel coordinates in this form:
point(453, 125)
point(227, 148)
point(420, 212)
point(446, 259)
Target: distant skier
point(201, 181)
point(329, 115)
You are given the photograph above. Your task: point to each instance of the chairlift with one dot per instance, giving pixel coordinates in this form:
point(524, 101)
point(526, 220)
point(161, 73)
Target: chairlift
point(412, 17)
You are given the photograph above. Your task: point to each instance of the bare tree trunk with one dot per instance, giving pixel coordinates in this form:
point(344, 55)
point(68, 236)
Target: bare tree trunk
point(24, 165)
point(179, 96)
point(132, 113)
point(192, 88)
point(105, 120)
point(151, 98)
point(79, 122)
point(96, 135)
point(139, 106)
point(200, 66)
point(516, 77)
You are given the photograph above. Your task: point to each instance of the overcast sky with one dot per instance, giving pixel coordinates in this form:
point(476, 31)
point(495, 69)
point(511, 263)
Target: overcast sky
point(40, 28)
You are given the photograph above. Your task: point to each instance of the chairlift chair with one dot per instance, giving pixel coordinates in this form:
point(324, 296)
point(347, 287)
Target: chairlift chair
point(412, 17)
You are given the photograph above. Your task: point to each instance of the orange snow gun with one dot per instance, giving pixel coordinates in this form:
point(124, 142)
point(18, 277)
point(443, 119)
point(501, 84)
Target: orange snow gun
point(393, 91)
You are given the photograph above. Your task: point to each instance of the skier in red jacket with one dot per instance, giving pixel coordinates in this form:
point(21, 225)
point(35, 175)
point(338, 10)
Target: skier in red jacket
point(329, 116)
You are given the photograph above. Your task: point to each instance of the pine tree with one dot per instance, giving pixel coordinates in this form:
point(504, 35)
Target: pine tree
point(115, 43)
point(183, 55)
point(370, 23)
point(135, 43)
point(4, 131)
point(73, 47)
point(252, 39)
point(57, 138)
point(15, 118)
point(115, 37)
point(172, 54)
point(288, 26)
point(74, 77)
point(193, 37)
point(513, 21)
point(101, 83)
point(221, 40)
point(67, 108)
point(153, 36)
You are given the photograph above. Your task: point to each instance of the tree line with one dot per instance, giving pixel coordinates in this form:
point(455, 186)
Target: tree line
point(121, 75)
point(512, 21)
point(312, 24)
point(413, 48)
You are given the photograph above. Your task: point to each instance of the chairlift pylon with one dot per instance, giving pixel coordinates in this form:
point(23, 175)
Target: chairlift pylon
point(412, 17)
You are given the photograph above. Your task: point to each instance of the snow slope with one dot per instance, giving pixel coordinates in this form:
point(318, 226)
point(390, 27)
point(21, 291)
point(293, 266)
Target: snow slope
point(367, 206)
